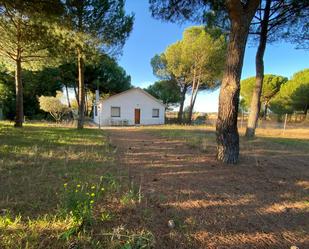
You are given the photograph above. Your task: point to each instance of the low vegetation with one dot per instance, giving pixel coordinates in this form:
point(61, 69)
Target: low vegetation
point(60, 189)
point(200, 135)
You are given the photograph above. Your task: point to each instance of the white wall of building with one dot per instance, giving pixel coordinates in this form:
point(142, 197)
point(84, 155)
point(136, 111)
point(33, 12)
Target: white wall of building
point(128, 102)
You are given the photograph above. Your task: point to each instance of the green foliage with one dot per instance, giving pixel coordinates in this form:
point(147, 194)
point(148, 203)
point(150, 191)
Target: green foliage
point(107, 75)
point(7, 93)
point(197, 60)
point(177, 11)
point(78, 201)
point(293, 95)
point(203, 55)
point(199, 56)
point(166, 90)
point(24, 31)
point(36, 83)
point(92, 27)
point(271, 86)
point(159, 67)
point(53, 106)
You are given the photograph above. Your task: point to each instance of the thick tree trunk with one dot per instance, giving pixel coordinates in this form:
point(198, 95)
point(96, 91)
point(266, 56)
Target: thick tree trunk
point(226, 128)
point(182, 102)
point(259, 65)
point(19, 95)
point(81, 91)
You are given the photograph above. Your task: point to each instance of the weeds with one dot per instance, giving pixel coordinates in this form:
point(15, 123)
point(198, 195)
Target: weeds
point(64, 210)
point(121, 238)
point(78, 200)
point(130, 198)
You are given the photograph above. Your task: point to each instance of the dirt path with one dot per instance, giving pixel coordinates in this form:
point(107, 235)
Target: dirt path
point(251, 205)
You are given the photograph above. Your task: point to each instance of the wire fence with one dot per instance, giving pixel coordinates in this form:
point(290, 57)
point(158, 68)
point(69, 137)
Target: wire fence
point(274, 121)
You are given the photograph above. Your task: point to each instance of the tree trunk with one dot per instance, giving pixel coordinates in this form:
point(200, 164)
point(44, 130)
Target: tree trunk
point(191, 108)
point(86, 103)
point(19, 95)
point(81, 91)
point(259, 65)
point(265, 110)
point(189, 119)
point(67, 93)
point(192, 102)
point(226, 127)
point(76, 94)
point(68, 100)
point(182, 102)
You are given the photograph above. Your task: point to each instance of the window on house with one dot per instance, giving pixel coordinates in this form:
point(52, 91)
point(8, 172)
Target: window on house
point(115, 111)
point(155, 113)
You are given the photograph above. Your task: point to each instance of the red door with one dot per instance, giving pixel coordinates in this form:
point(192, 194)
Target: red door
point(137, 116)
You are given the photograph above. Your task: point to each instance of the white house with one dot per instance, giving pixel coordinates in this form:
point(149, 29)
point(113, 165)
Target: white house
point(131, 107)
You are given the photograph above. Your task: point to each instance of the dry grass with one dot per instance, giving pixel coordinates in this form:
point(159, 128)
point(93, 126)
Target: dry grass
point(36, 162)
point(260, 203)
point(156, 174)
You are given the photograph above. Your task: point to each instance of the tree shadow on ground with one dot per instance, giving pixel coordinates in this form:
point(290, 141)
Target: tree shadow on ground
point(260, 203)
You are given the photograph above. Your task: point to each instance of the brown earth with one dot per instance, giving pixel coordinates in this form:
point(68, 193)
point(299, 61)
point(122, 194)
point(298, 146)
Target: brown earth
point(260, 203)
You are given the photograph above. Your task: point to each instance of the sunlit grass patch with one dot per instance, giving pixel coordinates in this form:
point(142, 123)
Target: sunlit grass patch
point(41, 232)
point(42, 159)
point(56, 184)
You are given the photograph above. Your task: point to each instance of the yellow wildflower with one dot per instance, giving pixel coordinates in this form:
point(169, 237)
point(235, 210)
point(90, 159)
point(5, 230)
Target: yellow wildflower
point(92, 194)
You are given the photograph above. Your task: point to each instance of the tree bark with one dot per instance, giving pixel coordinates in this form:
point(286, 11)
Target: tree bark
point(81, 91)
point(67, 93)
point(182, 102)
point(191, 109)
point(68, 100)
point(19, 95)
point(86, 103)
point(226, 127)
point(192, 102)
point(259, 65)
point(265, 111)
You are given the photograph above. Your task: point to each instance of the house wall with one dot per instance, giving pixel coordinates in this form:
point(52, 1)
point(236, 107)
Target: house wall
point(128, 102)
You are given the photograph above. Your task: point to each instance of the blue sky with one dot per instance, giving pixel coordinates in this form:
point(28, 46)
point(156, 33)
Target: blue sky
point(151, 36)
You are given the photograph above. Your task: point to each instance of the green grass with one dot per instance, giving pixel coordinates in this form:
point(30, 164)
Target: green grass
point(56, 185)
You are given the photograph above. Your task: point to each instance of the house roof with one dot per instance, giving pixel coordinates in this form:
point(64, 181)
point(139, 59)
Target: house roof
point(133, 89)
